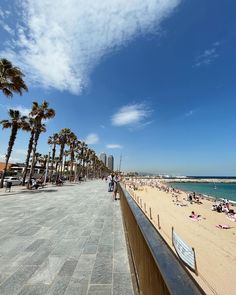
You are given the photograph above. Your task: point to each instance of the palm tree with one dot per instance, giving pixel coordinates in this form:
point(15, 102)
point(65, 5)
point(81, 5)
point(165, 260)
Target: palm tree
point(53, 140)
point(16, 122)
point(65, 162)
point(11, 78)
point(31, 128)
point(63, 136)
point(82, 157)
point(72, 142)
point(39, 113)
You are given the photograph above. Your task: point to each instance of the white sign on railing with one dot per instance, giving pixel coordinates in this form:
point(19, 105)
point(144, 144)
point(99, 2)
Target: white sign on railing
point(185, 252)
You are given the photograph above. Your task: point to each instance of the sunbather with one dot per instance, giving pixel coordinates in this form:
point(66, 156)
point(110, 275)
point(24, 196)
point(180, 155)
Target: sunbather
point(194, 215)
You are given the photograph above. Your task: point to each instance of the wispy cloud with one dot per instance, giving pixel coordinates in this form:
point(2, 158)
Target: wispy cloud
point(189, 113)
point(22, 152)
point(6, 27)
point(58, 46)
point(92, 138)
point(13, 159)
point(114, 146)
point(131, 115)
point(208, 56)
point(22, 109)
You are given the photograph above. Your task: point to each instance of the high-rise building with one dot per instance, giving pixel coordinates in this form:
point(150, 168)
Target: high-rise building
point(110, 162)
point(103, 158)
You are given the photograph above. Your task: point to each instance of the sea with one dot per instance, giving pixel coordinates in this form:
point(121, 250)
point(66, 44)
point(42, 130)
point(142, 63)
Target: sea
point(217, 190)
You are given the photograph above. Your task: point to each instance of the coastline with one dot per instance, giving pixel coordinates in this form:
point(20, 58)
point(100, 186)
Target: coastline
point(215, 248)
point(202, 180)
point(204, 195)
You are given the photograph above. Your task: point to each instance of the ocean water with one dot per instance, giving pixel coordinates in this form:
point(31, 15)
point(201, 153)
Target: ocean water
point(218, 190)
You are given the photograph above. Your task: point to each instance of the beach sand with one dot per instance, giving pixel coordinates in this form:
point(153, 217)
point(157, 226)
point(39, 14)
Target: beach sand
point(215, 248)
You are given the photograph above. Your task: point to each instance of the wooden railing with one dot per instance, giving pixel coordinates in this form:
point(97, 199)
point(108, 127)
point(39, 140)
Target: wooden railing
point(158, 271)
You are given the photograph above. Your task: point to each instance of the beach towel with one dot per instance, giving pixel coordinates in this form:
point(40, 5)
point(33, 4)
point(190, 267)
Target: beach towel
point(223, 226)
point(231, 218)
point(195, 218)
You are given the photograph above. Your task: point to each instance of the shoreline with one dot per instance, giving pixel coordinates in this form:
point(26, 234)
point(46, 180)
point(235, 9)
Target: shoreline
point(215, 248)
point(201, 180)
point(205, 196)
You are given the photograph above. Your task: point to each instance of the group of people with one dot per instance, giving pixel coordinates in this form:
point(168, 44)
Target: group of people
point(113, 180)
point(222, 206)
point(193, 198)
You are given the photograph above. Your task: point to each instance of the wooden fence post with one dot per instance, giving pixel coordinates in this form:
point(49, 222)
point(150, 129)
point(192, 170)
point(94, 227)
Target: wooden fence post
point(158, 221)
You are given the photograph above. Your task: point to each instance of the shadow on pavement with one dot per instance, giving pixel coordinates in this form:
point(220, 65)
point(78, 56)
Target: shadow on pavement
point(29, 192)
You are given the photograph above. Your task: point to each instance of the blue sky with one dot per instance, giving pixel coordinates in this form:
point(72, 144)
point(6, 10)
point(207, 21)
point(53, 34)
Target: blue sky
point(152, 80)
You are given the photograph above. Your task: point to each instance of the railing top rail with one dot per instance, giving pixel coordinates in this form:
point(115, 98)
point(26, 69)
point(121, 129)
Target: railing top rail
point(176, 277)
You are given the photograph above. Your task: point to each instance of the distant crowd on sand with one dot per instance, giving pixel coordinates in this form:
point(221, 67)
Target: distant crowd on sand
point(220, 205)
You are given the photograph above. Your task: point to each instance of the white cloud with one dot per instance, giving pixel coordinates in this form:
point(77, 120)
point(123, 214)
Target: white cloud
point(130, 115)
point(114, 146)
point(6, 27)
point(208, 56)
point(92, 138)
point(4, 13)
point(12, 159)
point(59, 45)
point(22, 152)
point(23, 110)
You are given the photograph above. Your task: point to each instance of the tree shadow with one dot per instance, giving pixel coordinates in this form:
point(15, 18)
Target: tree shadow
point(28, 192)
point(37, 191)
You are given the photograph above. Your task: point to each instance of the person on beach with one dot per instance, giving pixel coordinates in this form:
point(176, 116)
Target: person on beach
point(116, 179)
point(194, 215)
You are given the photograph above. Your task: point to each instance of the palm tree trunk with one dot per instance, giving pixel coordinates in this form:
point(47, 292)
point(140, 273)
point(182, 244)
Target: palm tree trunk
point(36, 138)
point(53, 159)
point(30, 146)
point(61, 158)
point(9, 150)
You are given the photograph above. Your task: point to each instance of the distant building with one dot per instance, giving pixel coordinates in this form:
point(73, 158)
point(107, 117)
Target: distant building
point(2, 166)
point(110, 162)
point(103, 158)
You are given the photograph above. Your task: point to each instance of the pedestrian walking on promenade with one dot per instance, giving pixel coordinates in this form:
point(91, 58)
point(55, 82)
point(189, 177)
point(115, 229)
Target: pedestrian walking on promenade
point(116, 179)
point(110, 182)
point(8, 186)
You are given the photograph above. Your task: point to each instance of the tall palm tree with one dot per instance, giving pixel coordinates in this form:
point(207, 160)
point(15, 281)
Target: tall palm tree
point(63, 136)
point(72, 142)
point(31, 128)
point(81, 156)
point(65, 162)
point(39, 113)
point(15, 122)
point(11, 78)
point(53, 140)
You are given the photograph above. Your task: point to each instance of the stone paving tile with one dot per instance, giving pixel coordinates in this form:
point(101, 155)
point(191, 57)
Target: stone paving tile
point(47, 271)
point(37, 289)
point(100, 290)
point(68, 268)
point(67, 240)
point(122, 284)
point(35, 245)
point(16, 281)
point(59, 286)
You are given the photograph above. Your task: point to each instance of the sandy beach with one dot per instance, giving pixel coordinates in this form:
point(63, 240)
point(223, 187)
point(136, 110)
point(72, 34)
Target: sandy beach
point(214, 247)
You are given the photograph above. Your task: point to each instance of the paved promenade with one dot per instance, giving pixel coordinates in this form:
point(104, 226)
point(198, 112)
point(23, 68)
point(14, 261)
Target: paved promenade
point(63, 240)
